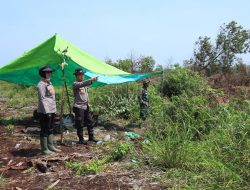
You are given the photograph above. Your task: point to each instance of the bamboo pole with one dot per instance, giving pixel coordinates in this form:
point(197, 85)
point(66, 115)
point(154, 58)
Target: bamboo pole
point(63, 88)
point(62, 106)
point(67, 94)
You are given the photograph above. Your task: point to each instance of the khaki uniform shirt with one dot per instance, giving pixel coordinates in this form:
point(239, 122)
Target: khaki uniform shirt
point(46, 97)
point(81, 94)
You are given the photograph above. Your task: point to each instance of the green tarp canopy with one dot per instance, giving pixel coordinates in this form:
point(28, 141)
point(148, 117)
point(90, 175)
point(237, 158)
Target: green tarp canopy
point(24, 70)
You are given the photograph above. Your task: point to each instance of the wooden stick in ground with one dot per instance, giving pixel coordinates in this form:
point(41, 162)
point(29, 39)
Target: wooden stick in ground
point(62, 105)
point(53, 184)
point(67, 94)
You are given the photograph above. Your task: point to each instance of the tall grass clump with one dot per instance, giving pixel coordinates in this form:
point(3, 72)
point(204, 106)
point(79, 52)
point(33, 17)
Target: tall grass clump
point(199, 146)
point(2, 181)
point(91, 167)
point(19, 96)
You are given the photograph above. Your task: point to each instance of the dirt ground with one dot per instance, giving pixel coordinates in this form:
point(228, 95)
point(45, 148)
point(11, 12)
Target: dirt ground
point(22, 166)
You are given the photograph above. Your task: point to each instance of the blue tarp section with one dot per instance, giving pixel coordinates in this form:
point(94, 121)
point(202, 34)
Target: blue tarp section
point(117, 79)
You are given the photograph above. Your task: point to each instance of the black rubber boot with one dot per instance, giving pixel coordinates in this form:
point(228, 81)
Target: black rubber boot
point(82, 141)
point(92, 138)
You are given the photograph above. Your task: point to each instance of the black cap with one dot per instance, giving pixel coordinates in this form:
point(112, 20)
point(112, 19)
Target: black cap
point(79, 71)
point(45, 69)
point(146, 81)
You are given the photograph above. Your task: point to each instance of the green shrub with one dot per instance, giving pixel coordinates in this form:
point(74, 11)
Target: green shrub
point(120, 150)
point(114, 101)
point(183, 80)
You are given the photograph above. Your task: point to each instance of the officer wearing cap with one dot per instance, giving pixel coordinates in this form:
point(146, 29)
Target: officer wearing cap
point(144, 100)
point(46, 110)
point(81, 106)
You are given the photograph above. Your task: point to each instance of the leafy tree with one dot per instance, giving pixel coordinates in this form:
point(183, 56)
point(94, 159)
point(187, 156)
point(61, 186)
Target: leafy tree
point(125, 65)
point(109, 61)
point(146, 64)
point(132, 65)
point(231, 40)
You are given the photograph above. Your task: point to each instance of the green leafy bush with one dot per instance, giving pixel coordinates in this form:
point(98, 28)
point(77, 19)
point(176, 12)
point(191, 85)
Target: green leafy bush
point(120, 150)
point(114, 101)
point(183, 80)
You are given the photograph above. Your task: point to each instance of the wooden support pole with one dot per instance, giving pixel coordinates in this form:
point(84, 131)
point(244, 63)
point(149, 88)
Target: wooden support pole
point(62, 106)
point(67, 93)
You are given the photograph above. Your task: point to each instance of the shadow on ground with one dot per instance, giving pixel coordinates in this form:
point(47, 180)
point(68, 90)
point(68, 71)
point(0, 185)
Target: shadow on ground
point(29, 152)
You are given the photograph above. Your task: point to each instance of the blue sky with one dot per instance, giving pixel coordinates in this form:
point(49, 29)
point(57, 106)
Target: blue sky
point(116, 29)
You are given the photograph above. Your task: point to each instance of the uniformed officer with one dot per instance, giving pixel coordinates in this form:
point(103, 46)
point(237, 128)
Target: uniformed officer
point(144, 100)
point(46, 110)
point(81, 106)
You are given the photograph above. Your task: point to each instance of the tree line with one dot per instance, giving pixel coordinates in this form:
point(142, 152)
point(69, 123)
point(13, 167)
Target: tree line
point(208, 58)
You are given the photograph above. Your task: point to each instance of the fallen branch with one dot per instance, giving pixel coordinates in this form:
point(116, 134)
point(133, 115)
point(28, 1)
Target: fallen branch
point(53, 184)
point(42, 164)
point(12, 166)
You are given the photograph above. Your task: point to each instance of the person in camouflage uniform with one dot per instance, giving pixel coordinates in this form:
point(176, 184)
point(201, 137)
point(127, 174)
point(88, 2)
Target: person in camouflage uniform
point(144, 100)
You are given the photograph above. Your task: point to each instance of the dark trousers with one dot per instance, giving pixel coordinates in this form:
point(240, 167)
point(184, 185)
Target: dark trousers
point(46, 124)
point(83, 118)
point(143, 111)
